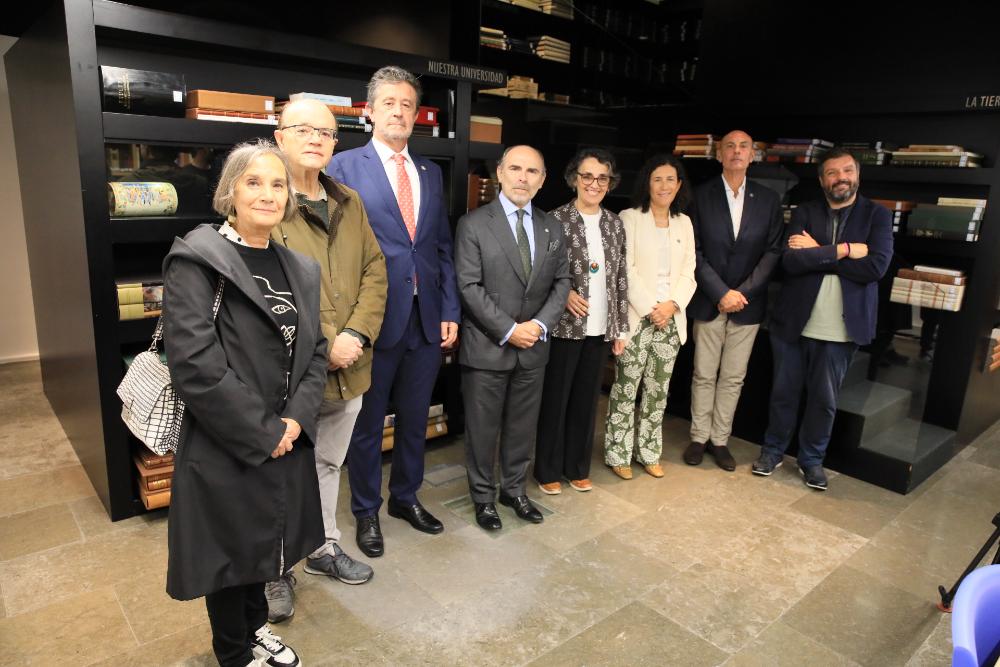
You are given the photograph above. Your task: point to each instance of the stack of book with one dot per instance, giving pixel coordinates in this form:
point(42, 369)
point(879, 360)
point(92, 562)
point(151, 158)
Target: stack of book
point(993, 352)
point(930, 287)
point(140, 298)
point(562, 8)
point(493, 38)
point(935, 155)
point(556, 98)
point(437, 425)
point(797, 150)
point(900, 208)
point(534, 5)
point(518, 87)
point(700, 146)
point(230, 107)
point(488, 129)
point(520, 46)
point(550, 48)
point(869, 152)
point(952, 218)
point(481, 191)
point(349, 117)
point(155, 473)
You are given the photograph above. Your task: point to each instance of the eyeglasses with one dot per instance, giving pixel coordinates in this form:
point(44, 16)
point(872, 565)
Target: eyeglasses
point(603, 180)
point(306, 131)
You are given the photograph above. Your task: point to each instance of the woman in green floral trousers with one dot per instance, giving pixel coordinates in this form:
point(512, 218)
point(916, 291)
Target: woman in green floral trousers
point(660, 252)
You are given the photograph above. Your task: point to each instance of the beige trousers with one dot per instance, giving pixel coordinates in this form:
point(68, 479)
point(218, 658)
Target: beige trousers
point(721, 351)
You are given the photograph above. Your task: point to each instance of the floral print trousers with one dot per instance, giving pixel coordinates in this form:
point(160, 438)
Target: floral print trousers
point(648, 358)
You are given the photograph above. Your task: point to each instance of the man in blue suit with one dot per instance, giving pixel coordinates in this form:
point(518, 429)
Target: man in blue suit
point(837, 250)
point(737, 233)
point(403, 195)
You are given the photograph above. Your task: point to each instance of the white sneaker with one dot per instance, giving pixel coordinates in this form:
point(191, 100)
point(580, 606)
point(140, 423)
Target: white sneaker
point(256, 663)
point(267, 648)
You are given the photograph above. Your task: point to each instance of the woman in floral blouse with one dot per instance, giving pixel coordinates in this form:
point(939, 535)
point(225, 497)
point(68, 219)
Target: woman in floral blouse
point(661, 262)
point(595, 320)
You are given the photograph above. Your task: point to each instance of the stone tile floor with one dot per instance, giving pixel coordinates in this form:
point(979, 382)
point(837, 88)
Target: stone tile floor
point(702, 567)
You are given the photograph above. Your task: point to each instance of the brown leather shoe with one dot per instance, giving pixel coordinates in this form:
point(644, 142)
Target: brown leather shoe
point(552, 488)
point(656, 470)
point(625, 472)
point(694, 453)
point(583, 484)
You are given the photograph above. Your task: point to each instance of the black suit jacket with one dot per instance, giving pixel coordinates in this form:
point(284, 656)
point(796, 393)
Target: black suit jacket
point(805, 268)
point(744, 263)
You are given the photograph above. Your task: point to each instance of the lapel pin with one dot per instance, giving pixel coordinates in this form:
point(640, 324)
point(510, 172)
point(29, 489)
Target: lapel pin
point(546, 230)
point(423, 168)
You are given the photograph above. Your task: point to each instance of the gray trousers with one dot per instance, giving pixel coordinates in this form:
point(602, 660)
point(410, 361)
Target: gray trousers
point(333, 435)
point(500, 406)
point(721, 351)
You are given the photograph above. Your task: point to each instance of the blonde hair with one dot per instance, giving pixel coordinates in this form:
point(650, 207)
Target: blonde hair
point(237, 162)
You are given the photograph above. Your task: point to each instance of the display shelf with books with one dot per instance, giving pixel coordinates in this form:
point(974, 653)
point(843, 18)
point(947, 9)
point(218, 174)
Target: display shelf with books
point(204, 67)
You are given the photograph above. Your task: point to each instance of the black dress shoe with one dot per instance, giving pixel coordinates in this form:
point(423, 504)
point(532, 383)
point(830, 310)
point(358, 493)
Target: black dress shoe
point(522, 507)
point(370, 536)
point(694, 453)
point(487, 517)
point(416, 516)
point(723, 457)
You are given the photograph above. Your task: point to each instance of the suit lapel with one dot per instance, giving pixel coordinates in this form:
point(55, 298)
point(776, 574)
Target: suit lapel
point(540, 227)
point(501, 232)
point(749, 201)
point(425, 184)
point(723, 197)
point(376, 172)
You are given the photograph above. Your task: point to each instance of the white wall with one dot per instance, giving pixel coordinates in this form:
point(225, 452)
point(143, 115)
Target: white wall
point(18, 341)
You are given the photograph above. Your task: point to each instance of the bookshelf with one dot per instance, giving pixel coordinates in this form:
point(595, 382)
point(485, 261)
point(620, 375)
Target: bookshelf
point(76, 257)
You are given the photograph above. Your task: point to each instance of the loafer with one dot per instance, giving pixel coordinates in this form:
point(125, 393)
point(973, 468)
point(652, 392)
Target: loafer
point(723, 457)
point(581, 484)
point(655, 469)
point(765, 465)
point(417, 516)
point(694, 453)
point(487, 517)
point(522, 508)
point(814, 476)
point(369, 536)
point(625, 472)
point(552, 488)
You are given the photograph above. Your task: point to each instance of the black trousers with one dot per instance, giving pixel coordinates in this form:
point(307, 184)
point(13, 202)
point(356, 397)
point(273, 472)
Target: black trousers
point(565, 438)
point(501, 412)
point(235, 614)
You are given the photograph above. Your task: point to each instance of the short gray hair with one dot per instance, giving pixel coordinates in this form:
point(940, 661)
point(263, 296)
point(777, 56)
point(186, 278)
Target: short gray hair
point(503, 158)
point(392, 74)
point(237, 162)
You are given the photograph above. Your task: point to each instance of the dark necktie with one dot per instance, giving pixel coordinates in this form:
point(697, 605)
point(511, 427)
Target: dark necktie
point(522, 245)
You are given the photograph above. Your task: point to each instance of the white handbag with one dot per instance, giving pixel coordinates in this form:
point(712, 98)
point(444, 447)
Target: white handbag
point(151, 408)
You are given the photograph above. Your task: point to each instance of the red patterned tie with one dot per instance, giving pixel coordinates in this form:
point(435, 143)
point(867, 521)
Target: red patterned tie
point(404, 195)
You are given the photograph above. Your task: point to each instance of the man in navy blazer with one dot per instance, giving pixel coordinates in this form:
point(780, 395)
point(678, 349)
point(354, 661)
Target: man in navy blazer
point(837, 250)
point(737, 233)
point(403, 195)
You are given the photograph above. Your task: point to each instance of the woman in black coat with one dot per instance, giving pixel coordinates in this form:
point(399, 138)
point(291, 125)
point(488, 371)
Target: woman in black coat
point(245, 500)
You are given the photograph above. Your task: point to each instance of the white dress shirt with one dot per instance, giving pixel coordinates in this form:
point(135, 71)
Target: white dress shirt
point(385, 154)
point(735, 201)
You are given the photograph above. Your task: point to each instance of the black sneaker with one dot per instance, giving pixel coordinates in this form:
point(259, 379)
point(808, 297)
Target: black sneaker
point(268, 648)
point(814, 476)
point(766, 464)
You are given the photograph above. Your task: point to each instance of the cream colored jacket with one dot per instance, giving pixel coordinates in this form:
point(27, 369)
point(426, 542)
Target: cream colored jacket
point(640, 254)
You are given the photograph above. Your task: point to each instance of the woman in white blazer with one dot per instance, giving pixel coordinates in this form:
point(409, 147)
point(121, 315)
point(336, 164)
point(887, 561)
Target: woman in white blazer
point(659, 251)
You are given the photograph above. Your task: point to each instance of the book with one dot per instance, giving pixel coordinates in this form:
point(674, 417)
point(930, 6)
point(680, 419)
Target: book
point(436, 410)
point(129, 198)
point(926, 268)
point(143, 92)
point(154, 499)
point(927, 276)
point(953, 218)
point(338, 100)
point(485, 128)
point(151, 459)
point(225, 115)
point(814, 142)
point(217, 99)
point(961, 201)
point(926, 294)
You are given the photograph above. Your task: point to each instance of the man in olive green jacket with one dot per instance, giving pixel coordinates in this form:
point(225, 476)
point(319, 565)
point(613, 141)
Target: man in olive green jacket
point(332, 228)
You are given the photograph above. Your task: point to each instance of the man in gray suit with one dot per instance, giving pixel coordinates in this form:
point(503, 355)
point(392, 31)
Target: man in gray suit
point(513, 279)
